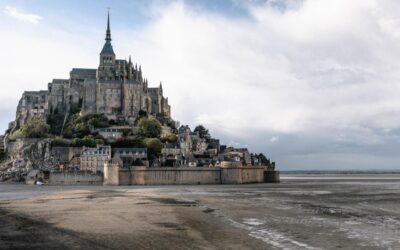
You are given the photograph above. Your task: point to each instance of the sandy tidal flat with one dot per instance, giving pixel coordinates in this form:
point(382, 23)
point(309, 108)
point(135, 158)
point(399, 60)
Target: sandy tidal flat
point(295, 214)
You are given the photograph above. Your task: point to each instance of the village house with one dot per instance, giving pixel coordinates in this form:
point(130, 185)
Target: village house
point(111, 134)
point(93, 159)
point(128, 157)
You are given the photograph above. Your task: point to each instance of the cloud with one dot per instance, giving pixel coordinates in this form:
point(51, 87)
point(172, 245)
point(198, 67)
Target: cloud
point(278, 70)
point(22, 16)
point(274, 139)
point(323, 75)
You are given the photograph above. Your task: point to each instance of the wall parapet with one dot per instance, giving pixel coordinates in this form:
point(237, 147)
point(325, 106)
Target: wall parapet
point(75, 178)
point(113, 175)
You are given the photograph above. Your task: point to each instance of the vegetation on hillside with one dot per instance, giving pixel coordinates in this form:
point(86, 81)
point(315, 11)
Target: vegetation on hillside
point(149, 127)
point(170, 137)
point(80, 126)
point(87, 141)
point(203, 132)
point(35, 128)
point(165, 120)
point(129, 142)
point(55, 122)
point(154, 147)
point(60, 142)
point(82, 130)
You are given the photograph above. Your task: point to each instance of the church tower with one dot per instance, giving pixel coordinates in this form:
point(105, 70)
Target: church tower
point(107, 55)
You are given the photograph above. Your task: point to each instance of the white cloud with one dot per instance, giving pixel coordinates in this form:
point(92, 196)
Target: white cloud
point(322, 64)
point(22, 16)
point(274, 139)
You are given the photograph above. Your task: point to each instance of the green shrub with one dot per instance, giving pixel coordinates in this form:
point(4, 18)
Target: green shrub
point(170, 137)
point(154, 147)
point(59, 142)
point(79, 126)
point(87, 141)
point(35, 128)
point(129, 142)
point(149, 127)
point(164, 119)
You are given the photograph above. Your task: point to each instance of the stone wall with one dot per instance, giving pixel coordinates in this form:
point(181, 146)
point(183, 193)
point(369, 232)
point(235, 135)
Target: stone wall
point(75, 178)
point(181, 176)
point(65, 154)
point(242, 175)
point(111, 174)
point(170, 176)
point(272, 176)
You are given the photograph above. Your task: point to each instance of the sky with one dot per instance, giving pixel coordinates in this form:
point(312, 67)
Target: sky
point(313, 84)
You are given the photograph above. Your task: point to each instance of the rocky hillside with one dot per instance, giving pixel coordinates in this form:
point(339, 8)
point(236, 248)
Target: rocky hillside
point(23, 155)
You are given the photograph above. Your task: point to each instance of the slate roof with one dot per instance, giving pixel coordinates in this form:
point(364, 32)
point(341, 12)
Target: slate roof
point(80, 71)
point(172, 145)
point(102, 150)
point(130, 150)
point(107, 49)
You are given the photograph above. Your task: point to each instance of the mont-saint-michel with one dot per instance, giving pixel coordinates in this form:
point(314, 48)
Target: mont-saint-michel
point(101, 157)
point(108, 126)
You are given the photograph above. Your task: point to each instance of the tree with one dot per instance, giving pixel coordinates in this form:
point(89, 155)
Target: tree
point(163, 118)
point(82, 129)
point(149, 127)
point(264, 160)
point(170, 137)
point(129, 142)
point(154, 147)
point(203, 132)
point(81, 125)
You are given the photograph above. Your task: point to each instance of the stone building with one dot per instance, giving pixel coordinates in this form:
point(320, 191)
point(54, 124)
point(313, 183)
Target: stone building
point(117, 88)
point(172, 155)
point(93, 159)
point(111, 134)
point(32, 104)
point(127, 157)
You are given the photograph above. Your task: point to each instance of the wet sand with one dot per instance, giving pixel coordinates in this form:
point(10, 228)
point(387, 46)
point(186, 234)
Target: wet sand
point(299, 213)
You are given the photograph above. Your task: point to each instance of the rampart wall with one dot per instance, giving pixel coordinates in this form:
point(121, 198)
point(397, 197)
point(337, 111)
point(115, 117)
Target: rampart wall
point(181, 176)
point(75, 178)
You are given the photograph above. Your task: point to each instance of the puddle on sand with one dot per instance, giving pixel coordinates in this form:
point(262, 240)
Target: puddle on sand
point(253, 222)
point(269, 236)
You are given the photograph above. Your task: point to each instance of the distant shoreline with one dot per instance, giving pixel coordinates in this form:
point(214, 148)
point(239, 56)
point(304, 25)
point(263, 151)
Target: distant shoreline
point(337, 172)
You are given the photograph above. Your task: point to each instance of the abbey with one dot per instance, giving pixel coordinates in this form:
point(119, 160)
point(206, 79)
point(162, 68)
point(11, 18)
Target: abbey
point(116, 88)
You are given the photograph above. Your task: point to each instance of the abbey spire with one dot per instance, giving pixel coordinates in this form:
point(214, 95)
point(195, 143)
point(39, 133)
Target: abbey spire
point(107, 55)
point(108, 32)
